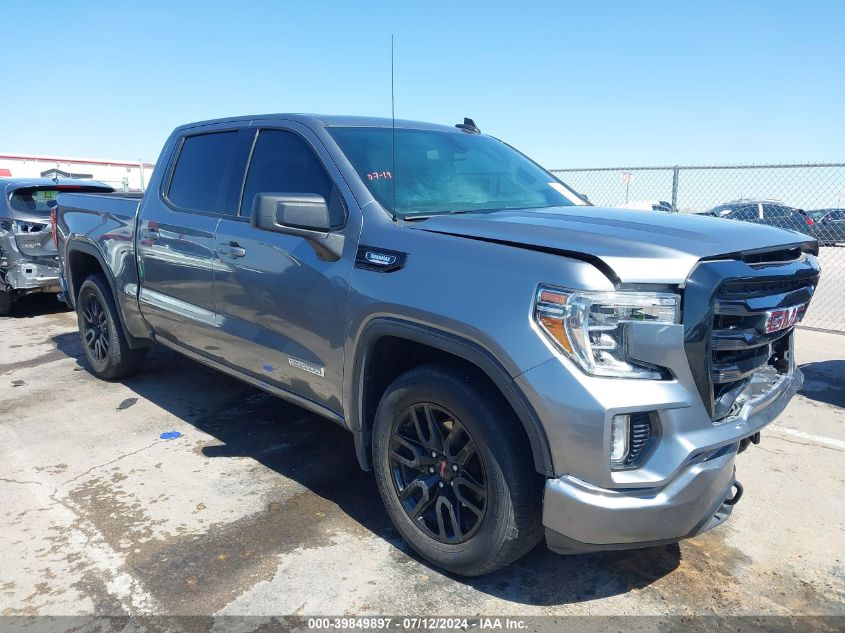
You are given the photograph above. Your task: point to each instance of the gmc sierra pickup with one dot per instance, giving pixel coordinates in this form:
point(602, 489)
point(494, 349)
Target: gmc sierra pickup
point(512, 362)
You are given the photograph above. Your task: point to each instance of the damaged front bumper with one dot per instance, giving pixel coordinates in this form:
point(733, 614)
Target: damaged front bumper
point(582, 517)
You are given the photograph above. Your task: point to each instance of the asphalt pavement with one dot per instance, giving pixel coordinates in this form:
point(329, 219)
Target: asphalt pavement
point(255, 506)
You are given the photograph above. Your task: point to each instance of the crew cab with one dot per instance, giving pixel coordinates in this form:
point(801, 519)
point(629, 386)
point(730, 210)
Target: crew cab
point(512, 363)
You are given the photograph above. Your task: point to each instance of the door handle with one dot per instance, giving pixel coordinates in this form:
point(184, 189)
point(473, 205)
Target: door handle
point(232, 249)
point(150, 234)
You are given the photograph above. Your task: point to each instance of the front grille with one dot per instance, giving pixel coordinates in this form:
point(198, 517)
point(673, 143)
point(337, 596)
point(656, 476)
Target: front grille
point(739, 343)
point(725, 311)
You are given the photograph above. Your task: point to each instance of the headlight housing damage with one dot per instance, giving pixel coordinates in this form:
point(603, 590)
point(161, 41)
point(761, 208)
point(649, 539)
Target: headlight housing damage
point(592, 328)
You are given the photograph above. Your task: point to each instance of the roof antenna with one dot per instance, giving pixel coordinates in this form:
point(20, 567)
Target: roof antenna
point(468, 126)
point(392, 132)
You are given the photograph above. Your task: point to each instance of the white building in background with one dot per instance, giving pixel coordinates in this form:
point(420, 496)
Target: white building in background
point(122, 175)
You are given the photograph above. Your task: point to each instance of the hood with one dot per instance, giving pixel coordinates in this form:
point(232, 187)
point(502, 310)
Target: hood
point(628, 246)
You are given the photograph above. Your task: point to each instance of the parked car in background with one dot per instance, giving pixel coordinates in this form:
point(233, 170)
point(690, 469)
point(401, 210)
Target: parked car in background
point(28, 258)
point(649, 205)
point(829, 226)
point(769, 212)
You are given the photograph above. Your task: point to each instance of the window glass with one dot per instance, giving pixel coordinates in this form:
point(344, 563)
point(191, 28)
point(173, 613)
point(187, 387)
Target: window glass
point(282, 162)
point(39, 200)
point(746, 213)
point(776, 211)
point(200, 179)
point(438, 171)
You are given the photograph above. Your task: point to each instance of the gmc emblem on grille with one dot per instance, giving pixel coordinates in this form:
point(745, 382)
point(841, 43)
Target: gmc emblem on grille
point(783, 318)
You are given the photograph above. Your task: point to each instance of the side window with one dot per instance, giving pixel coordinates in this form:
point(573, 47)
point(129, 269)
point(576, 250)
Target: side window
point(745, 212)
point(776, 211)
point(282, 162)
point(201, 177)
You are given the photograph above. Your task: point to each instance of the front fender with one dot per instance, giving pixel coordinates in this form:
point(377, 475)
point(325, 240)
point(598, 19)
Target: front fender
point(378, 327)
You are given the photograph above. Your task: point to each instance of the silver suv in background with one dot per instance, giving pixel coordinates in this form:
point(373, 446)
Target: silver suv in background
point(28, 259)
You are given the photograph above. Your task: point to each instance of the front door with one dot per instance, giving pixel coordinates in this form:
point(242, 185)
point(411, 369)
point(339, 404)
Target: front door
point(281, 304)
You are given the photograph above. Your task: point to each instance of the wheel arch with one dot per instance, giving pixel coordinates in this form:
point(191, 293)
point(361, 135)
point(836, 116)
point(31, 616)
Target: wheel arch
point(421, 343)
point(83, 259)
point(79, 256)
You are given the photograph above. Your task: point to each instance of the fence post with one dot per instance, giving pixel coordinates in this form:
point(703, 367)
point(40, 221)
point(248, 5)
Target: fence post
point(675, 189)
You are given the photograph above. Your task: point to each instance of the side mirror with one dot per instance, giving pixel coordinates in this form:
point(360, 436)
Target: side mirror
point(302, 214)
point(275, 211)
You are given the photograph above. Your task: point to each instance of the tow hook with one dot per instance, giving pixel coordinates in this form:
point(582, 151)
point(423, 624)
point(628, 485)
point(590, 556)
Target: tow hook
point(732, 501)
point(751, 439)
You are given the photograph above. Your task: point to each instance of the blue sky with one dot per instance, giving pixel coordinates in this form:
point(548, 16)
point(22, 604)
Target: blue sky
point(569, 83)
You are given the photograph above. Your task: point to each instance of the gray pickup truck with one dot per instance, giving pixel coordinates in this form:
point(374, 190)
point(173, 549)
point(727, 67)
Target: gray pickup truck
point(512, 362)
point(28, 259)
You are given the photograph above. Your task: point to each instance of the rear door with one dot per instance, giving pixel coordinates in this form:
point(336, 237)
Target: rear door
point(281, 304)
point(176, 235)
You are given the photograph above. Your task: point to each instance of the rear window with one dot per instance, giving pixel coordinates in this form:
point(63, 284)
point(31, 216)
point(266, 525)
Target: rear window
point(38, 199)
point(200, 179)
point(777, 211)
point(745, 212)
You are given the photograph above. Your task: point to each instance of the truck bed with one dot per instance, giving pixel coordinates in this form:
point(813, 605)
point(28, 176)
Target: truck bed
point(104, 223)
point(122, 205)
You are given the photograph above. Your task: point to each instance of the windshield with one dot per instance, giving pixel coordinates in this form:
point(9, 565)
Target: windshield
point(39, 199)
point(440, 172)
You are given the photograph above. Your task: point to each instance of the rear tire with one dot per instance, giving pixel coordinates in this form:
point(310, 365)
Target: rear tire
point(5, 302)
point(452, 524)
point(106, 349)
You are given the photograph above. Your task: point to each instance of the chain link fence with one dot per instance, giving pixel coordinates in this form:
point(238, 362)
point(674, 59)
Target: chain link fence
point(809, 198)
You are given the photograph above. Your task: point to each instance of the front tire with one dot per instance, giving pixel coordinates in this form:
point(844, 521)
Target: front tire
point(454, 469)
point(106, 349)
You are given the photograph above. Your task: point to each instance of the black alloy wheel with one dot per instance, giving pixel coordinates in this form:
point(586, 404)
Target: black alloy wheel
point(96, 332)
point(437, 473)
point(106, 347)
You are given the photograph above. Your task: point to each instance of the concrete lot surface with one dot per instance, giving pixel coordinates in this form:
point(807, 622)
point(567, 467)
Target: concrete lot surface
point(259, 507)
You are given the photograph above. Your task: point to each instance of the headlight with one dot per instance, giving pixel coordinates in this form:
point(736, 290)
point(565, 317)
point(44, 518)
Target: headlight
point(591, 328)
